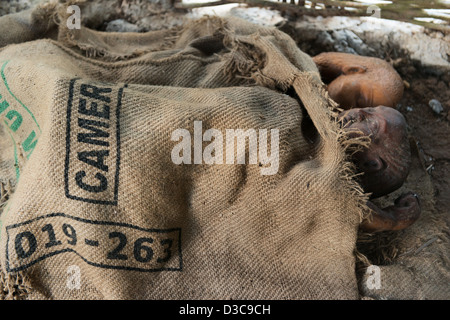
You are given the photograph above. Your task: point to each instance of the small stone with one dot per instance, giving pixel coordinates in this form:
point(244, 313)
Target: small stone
point(120, 25)
point(406, 84)
point(409, 108)
point(436, 106)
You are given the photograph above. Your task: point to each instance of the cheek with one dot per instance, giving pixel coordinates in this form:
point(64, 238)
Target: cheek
point(379, 98)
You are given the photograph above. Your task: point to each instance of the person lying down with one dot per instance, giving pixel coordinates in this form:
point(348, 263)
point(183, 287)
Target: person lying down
point(385, 164)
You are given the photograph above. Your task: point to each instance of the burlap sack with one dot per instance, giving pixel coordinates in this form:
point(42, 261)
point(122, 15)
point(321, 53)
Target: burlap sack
point(100, 209)
point(29, 24)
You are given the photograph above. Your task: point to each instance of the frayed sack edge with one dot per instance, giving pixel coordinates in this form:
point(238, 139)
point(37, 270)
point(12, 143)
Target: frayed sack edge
point(99, 49)
point(13, 286)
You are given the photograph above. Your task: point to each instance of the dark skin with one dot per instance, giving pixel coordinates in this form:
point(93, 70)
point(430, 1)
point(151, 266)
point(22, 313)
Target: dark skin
point(368, 89)
point(386, 128)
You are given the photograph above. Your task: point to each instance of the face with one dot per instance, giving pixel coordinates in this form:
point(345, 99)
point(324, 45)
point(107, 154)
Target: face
point(387, 129)
point(358, 91)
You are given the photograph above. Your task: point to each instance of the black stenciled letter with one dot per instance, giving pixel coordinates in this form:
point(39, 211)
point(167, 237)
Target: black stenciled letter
point(99, 188)
point(143, 253)
point(99, 155)
point(93, 143)
point(115, 254)
point(32, 244)
point(93, 125)
point(95, 93)
point(51, 235)
point(93, 110)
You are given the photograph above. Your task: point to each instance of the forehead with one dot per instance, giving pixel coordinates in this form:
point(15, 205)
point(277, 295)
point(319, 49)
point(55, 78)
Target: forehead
point(393, 117)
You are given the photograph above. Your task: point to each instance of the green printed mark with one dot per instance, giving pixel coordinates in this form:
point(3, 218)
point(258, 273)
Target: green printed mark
point(29, 144)
point(14, 119)
point(9, 90)
point(13, 114)
point(3, 105)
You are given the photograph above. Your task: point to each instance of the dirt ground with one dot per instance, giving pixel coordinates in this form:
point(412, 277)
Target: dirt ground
point(431, 130)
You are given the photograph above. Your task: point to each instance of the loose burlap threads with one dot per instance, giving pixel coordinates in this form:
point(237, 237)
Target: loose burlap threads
point(101, 211)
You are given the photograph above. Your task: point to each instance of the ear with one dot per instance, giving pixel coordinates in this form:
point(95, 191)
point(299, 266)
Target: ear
point(353, 69)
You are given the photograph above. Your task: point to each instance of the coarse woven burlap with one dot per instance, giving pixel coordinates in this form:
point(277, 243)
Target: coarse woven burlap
point(29, 24)
point(100, 210)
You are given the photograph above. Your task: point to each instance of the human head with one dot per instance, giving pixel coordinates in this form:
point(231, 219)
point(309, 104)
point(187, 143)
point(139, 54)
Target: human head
point(355, 81)
point(358, 88)
point(386, 162)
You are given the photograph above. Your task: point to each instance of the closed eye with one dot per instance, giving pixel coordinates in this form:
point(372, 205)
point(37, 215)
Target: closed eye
point(384, 163)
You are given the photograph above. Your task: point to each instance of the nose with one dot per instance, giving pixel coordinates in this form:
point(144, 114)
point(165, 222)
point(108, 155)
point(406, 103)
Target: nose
point(372, 165)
